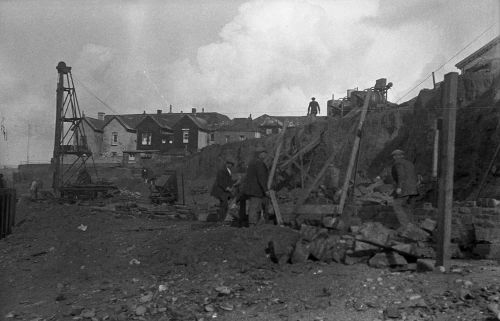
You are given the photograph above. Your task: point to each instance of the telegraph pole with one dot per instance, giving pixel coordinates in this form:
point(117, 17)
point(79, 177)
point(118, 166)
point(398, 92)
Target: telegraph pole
point(447, 152)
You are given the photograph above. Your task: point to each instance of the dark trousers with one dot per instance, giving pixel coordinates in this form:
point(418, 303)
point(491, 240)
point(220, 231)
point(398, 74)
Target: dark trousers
point(223, 207)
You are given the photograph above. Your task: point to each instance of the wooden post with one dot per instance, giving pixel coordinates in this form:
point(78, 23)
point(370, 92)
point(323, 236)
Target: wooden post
point(447, 152)
point(272, 194)
point(437, 127)
point(433, 80)
point(354, 153)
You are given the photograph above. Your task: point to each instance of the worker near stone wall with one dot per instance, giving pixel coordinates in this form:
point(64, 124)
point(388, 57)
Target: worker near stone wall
point(405, 187)
point(223, 187)
point(255, 188)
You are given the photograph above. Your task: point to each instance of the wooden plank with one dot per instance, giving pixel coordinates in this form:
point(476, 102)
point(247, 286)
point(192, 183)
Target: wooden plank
point(311, 145)
point(315, 183)
point(447, 152)
point(270, 179)
point(276, 207)
point(354, 153)
point(276, 157)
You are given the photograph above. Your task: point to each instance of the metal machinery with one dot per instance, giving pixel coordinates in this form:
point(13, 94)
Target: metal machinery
point(164, 188)
point(72, 180)
point(355, 99)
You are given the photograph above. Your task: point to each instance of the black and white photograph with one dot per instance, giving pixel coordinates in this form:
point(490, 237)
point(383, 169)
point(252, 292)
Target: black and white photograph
point(250, 160)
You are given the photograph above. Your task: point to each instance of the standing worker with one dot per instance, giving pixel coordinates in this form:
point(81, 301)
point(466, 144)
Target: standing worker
point(223, 187)
point(255, 188)
point(405, 184)
point(313, 108)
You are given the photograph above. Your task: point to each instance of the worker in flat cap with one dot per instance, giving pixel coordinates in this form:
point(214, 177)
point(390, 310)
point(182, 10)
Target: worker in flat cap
point(223, 187)
point(405, 187)
point(313, 108)
point(255, 188)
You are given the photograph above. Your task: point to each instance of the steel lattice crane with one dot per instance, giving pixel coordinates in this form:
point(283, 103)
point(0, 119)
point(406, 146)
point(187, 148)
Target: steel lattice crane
point(70, 142)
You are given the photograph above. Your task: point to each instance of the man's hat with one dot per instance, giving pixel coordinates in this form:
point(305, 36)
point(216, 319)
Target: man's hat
point(397, 152)
point(313, 98)
point(260, 149)
point(230, 160)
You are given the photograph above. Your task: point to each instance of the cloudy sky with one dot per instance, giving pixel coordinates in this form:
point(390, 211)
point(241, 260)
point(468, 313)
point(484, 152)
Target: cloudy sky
point(231, 56)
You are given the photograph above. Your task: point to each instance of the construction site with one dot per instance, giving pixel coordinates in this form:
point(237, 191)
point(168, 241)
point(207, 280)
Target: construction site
point(142, 237)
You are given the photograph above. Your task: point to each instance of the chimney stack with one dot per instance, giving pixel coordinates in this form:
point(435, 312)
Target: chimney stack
point(158, 111)
point(203, 109)
point(100, 115)
point(193, 111)
point(170, 108)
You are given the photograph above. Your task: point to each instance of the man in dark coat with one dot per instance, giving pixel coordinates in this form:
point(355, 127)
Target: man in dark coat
point(405, 185)
point(255, 188)
point(313, 108)
point(223, 186)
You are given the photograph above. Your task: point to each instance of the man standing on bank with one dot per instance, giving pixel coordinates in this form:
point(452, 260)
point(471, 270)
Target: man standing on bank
point(223, 187)
point(405, 184)
point(313, 108)
point(255, 188)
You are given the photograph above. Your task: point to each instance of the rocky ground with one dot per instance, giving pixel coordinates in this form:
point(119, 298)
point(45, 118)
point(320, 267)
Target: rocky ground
point(73, 262)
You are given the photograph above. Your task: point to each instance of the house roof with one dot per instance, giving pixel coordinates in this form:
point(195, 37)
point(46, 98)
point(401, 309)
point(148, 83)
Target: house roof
point(240, 125)
point(291, 121)
point(94, 123)
point(199, 122)
point(211, 120)
point(462, 63)
point(129, 122)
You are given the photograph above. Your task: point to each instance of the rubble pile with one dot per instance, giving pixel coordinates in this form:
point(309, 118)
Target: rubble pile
point(370, 242)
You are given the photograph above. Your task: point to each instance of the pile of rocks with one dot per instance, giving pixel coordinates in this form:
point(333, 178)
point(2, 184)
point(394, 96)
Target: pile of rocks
point(371, 242)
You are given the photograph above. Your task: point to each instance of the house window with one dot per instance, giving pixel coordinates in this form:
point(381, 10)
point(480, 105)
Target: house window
point(131, 156)
point(269, 131)
point(146, 138)
point(163, 140)
point(114, 138)
point(212, 137)
point(185, 136)
point(242, 137)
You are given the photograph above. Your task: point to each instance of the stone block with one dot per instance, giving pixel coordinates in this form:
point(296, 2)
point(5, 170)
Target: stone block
point(363, 249)
point(491, 235)
point(375, 232)
point(425, 265)
point(350, 260)
point(403, 247)
point(428, 225)
point(300, 253)
point(389, 259)
point(489, 251)
point(414, 233)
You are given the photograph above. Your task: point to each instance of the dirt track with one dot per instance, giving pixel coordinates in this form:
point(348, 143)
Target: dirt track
point(185, 270)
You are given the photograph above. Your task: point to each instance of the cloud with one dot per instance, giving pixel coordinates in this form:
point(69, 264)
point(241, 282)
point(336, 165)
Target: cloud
point(291, 50)
point(288, 50)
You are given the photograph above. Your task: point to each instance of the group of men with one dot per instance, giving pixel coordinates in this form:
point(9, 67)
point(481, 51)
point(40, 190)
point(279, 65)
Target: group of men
point(253, 190)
